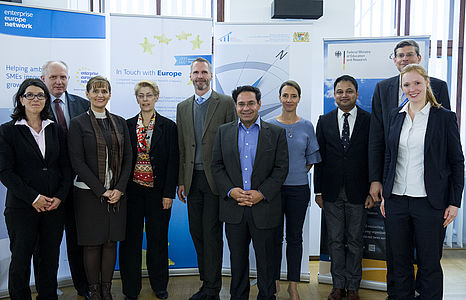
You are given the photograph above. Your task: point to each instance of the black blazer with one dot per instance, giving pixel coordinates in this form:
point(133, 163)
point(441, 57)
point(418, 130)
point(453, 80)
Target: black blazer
point(23, 170)
point(443, 157)
point(338, 167)
point(384, 100)
point(164, 155)
point(83, 153)
point(269, 172)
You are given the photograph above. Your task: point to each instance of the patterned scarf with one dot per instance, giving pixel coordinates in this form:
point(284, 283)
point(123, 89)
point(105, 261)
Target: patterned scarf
point(116, 151)
point(143, 173)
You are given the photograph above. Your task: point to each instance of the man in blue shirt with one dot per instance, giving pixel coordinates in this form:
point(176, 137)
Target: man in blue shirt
point(249, 165)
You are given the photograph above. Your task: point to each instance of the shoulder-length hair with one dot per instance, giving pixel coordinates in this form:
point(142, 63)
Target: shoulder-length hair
point(19, 111)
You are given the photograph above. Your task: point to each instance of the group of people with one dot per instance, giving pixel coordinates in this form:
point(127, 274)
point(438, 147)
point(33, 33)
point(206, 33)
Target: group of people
point(69, 163)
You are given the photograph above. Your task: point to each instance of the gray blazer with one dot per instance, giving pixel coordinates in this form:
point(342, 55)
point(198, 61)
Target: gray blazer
point(269, 172)
point(221, 110)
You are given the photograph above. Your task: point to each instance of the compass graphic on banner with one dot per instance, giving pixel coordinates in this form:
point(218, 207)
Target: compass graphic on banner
point(263, 66)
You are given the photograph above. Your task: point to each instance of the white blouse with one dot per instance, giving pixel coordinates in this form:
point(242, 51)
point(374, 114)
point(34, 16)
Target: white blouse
point(409, 175)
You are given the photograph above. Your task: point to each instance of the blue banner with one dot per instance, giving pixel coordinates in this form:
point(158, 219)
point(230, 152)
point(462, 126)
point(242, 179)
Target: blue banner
point(45, 23)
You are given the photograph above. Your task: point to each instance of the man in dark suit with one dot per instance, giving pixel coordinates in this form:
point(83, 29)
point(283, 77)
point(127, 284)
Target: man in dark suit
point(341, 185)
point(387, 96)
point(66, 106)
point(249, 164)
point(197, 119)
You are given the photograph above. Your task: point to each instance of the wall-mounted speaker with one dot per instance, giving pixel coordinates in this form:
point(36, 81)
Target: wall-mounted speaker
point(297, 9)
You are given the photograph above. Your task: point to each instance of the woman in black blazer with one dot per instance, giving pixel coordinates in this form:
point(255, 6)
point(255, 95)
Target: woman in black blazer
point(100, 153)
point(34, 168)
point(150, 192)
point(422, 186)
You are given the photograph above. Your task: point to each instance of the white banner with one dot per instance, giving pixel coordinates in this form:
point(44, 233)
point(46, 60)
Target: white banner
point(30, 37)
point(368, 61)
point(160, 49)
point(265, 56)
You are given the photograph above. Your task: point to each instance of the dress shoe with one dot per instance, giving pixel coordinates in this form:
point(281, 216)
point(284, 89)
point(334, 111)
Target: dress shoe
point(131, 298)
point(198, 296)
point(212, 297)
point(352, 295)
point(163, 294)
point(336, 294)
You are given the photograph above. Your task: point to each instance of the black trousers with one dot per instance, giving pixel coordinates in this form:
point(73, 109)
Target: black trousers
point(74, 251)
point(144, 207)
point(295, 200)
point(239, 237)
point(206, 232)
point(345, 226)
point(411, 222)
point(29, 230)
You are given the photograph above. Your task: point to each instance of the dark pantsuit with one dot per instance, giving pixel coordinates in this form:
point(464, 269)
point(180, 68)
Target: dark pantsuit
point(345, 226)
point(408, 219)
point(144, 204)
point(26, 227)
point(206, 232)
point(239, 237)
point(295, 200)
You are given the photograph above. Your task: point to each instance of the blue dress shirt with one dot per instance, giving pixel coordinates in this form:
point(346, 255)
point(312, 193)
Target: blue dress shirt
point(247, 146)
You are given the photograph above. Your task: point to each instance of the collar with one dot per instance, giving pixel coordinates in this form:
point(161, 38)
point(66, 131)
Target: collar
point(352, 112)
point(24, 122)
point(425, 110)
point(62, 98)
point(205, 96)
point(257, 122)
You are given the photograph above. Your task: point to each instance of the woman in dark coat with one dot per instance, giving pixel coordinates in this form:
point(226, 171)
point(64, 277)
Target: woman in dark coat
point(150, 193)
point(100, 153)
point(34, 168)
point(422, 186)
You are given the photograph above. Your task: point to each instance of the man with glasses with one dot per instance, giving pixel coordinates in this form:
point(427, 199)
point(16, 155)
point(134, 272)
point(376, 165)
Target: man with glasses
point(387, 96)
point(66, 106)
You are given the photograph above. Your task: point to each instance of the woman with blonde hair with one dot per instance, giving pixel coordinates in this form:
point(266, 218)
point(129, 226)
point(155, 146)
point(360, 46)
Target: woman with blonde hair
point(150, 192)
point(422, 185)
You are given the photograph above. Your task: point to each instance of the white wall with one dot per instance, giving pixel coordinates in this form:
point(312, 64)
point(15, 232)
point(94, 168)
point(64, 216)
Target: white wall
point(337, 22)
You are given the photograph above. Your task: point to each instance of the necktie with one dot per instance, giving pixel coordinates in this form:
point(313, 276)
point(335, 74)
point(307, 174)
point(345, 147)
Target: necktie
point(200, 100)
point(345, 133)
point(60, 115)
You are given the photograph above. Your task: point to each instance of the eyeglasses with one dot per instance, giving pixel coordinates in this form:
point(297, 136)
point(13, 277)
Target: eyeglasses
point(148, 96)
point(408, 55)
point(31, 96)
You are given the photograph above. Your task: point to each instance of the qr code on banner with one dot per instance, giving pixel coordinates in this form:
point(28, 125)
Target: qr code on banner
point(371, 248)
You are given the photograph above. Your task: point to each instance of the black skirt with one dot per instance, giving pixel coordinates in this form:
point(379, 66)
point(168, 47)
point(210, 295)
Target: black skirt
point(96, 221)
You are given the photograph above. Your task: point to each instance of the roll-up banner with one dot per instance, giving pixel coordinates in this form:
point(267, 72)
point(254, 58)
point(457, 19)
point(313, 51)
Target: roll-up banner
point(29, 37)
point(368, 61)
point(265, 55)
point(160, 49)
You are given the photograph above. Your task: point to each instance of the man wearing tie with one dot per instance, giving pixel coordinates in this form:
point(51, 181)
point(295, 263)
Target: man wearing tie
point(66, 106)
point(197, 119)
point(250, 164)
point(341, 185)
point(387, 96)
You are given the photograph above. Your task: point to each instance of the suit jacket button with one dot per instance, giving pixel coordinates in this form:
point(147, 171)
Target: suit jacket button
point(194, 146)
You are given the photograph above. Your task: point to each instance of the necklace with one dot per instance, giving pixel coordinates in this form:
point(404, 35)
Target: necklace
point(290, 133)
